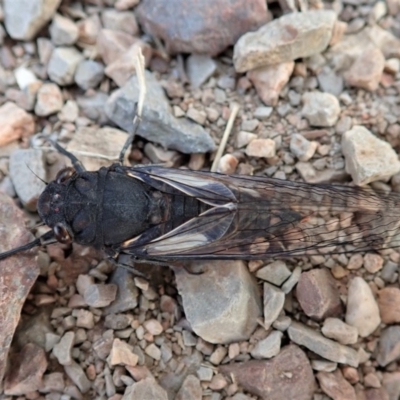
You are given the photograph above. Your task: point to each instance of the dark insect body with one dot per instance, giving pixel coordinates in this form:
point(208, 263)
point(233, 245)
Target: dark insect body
point(163, 215)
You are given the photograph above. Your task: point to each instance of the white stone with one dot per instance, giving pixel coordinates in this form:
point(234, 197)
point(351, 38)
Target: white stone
point(368, 158)
point(362, 309)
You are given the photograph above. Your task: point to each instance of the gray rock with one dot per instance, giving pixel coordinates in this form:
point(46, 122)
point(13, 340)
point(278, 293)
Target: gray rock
point(124, 21)
point(27, 168)
point(263, 113)
point(78, 376)
point(330, 82)
point(117, 321)
point(53, 382)
point(63, 31)
point(336, 329)
point(62, 350)
point(100, 295)
point(199, 68)
point(204, 373)
point(274, 300)
point(93, 107)
point(62, 65)
point(127, 295)
point(389, 346)
point(287, 38)
point(362, 309)
point(25, 18)
point(320, 109)
point(268, 347)
point(231, 303)
point(302, 148)
point(391, 382)
point(145, 389)
point(368, 158)
point(292, 281)
point(158, 124)
point(190, 390)
point(326, 348)
point(89, 74)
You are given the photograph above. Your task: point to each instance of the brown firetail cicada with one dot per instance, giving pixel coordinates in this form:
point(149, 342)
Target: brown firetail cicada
point(162, 215)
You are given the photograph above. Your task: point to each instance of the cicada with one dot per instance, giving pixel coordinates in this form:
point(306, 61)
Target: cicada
point(163, 215)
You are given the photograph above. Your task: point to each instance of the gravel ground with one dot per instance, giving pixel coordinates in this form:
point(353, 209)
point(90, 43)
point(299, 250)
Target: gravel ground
point(317, 90)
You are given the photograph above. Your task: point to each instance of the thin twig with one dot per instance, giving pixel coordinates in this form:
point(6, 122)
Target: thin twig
point(139, 66)
point(225, 137)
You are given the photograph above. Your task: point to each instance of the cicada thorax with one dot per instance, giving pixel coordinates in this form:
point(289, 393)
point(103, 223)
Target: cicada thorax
point(107, 207)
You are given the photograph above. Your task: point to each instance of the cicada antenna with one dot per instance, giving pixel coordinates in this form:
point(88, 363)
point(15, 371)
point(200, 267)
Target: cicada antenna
point(46, 238)
point(139, 66)
point(75, 162)
point(37, 176)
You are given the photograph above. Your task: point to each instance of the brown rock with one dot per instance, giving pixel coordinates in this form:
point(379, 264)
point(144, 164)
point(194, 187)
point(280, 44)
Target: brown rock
point(335, 386)
point(389, 305)
point(318, 295)
point(367, 69)
point(89, 29)
point(190, 389)
point(26, 371)
point(113, 44)
point(18, 273)
point(287, 376)
point(376, 394)
point(270, 80)
point(194, 26)
point(15, 123)
point(145, 389)
point(261, 148)
point(49, 100)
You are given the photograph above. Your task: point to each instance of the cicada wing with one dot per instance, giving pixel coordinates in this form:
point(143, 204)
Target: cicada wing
point(269, 217)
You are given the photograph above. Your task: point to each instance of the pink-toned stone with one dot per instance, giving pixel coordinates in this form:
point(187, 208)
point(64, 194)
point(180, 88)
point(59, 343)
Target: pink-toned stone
point(194, 26)
point(15, 123)
point(366, 70)
point(389, 305)
point(122, 353)
point(318, 295)
point(113, 44)
point(121, 69)
point(190, 389)
point(261, 148)
point(26, 371)
point(18, 273)
point(376, 394)
point(270, 80)
point(89, 29)
point(335, 386)
point(286, 376)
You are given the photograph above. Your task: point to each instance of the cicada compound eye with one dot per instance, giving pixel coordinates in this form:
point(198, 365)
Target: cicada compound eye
point(61, 234)
point(65, 174)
